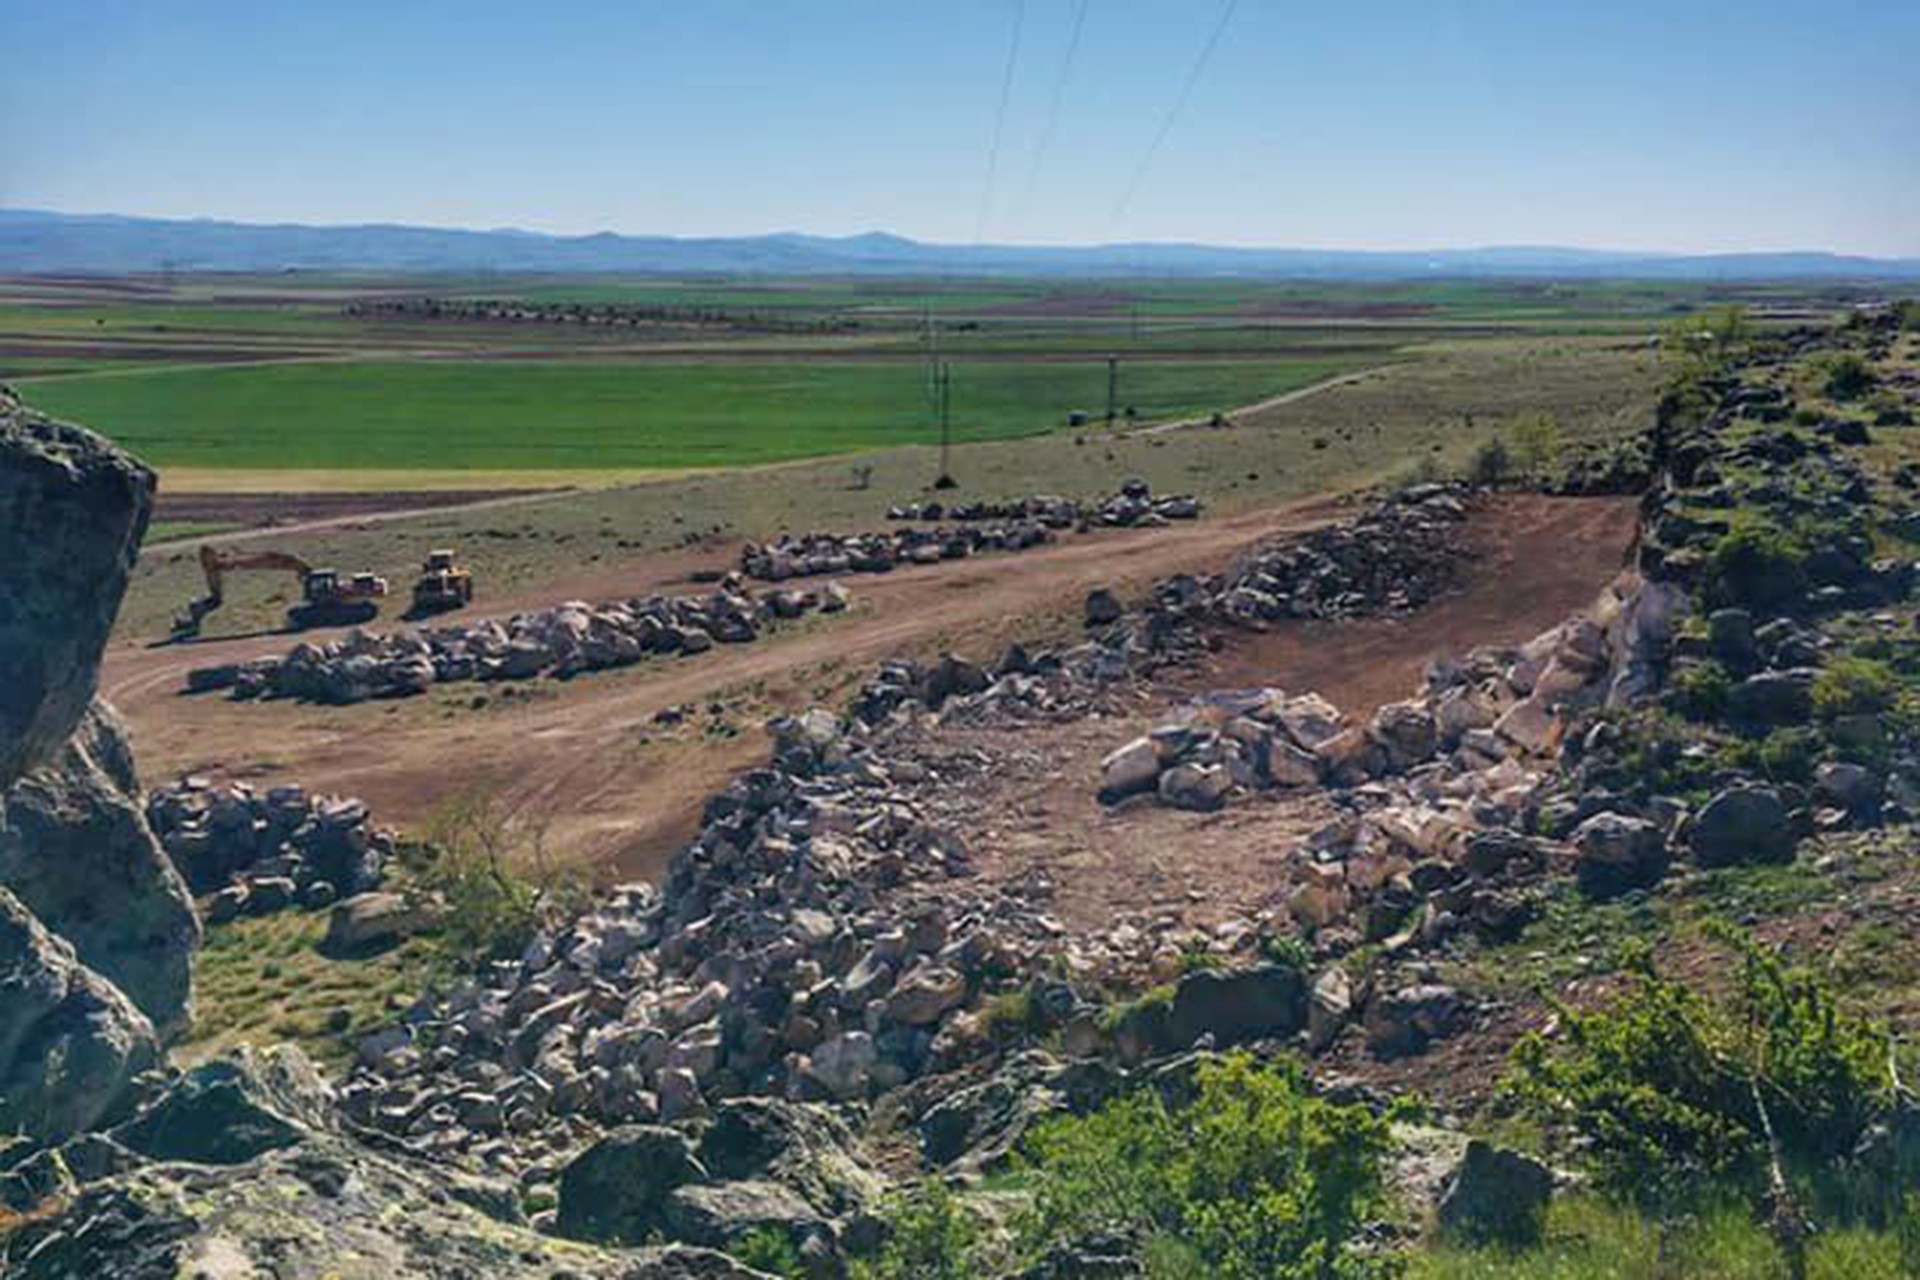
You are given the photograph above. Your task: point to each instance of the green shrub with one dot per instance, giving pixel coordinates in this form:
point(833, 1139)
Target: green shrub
point(1790, 755)
point(1010, 1015)
point(768, 1249)
point(1854, 686)
point(1253, 1180)
point(1662, 1085)
point(1287, 950)
point(1848, 378)
point(1757, 568)
point(1537, 442)
point(1700, 691)
point(1491, 463)
point(929, 1236)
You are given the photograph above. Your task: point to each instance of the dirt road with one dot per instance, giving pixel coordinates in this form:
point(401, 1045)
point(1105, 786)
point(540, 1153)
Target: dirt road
point(587, 754)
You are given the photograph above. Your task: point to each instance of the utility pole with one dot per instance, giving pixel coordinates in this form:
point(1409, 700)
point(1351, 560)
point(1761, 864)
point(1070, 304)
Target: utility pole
point(946, 480)
point(933, 362)
point(1113, 389)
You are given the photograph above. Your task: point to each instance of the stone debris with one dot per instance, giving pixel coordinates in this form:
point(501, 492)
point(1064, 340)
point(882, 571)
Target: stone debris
point(1133, 506)
point(561, 642)
point(1396, 557)
point(254, 854)
point(807, 555)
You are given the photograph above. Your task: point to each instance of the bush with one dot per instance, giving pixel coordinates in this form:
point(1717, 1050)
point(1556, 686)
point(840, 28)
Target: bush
point(1854, 686)
point(1253, 1180)
point(1848, 378)
point(930, 1236)
point(1663, 1085)
point(493, 876)
point(1537, 442)
point(768, 1249)
point(1700, 691)
point(1491, 463)
point(1757, 568)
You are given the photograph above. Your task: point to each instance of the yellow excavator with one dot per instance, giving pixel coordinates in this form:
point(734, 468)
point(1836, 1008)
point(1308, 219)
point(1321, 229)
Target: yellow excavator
point(327, 598)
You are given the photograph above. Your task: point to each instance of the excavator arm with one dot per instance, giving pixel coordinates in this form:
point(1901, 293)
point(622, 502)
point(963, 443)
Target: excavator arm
point(216, 564)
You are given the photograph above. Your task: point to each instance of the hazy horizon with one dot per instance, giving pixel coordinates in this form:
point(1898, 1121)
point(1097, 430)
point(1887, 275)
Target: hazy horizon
point(771, 232)
point(1389, 126)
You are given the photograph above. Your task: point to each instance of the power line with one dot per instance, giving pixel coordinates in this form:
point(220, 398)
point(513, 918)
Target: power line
point(1053, 103)
point(1173, 112)
point(1000, 120)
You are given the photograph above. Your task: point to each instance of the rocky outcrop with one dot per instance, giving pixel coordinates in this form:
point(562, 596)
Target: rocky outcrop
point(77, 852)
point(70, 1041)
point(72, 512)
point(236, 1169)
point(99, 929)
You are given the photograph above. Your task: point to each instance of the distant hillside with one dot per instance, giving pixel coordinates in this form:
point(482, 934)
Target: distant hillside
point(40, 242)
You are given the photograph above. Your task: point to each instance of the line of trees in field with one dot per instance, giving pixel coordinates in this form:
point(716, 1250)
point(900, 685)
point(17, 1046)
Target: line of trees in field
point(608, 315)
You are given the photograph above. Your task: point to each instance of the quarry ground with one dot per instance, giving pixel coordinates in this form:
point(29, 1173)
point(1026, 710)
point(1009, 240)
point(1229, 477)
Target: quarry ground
point(588, 760)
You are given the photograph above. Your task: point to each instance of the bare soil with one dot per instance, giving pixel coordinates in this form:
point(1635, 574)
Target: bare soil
point(587, 759)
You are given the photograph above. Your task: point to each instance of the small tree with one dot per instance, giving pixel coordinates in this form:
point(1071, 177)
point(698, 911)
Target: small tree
point(1537, 442)
point(491, 872)
point(1491, 463)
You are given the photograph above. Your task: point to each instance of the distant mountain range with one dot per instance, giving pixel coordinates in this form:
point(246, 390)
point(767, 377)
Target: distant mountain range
point(33, 241)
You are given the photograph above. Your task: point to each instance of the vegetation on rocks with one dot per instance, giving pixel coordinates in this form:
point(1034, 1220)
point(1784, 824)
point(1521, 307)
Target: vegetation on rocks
point(1679, 1096)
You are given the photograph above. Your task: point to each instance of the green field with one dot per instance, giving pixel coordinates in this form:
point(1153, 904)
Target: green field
point(532, 415)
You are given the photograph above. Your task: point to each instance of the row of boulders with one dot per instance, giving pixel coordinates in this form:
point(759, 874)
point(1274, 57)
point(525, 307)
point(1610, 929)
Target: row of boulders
point(253, 853)
point(1133, 506)
point(567, 640)
point(809, 555)
point(1494, 707)
point(1397, 556)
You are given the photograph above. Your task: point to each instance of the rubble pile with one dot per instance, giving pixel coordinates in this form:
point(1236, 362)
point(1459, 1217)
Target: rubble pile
point(1133, 506)
point(808, 555)
point(255, 853)
point(564, 641)
point(791, 954)
point(1397, 557)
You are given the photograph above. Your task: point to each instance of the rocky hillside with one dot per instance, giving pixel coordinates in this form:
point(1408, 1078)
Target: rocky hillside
point(1545, 950)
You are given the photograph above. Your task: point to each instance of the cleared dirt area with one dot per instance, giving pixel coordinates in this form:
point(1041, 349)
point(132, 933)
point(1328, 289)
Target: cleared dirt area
point(589, 759)
point(1535, 561)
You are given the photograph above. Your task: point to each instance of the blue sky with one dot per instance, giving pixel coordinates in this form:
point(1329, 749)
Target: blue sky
point(1631, 124)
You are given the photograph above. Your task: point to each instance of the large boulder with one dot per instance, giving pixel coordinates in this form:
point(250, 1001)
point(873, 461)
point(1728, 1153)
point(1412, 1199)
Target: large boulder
point(72, 512)
point(1267, 1002)
point(71, 1042)
point(719, 1215)
point(76, 850)
point(231, 1110)
point(1742, 825)
point(806, 1148)
point(1496, 1196)
point(1615, 854)
point(616, 1190)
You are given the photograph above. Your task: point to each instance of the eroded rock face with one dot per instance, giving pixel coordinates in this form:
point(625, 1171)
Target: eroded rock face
point(96, 929)
point(76, 850)
point(72, 512)
point(70, 1041)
